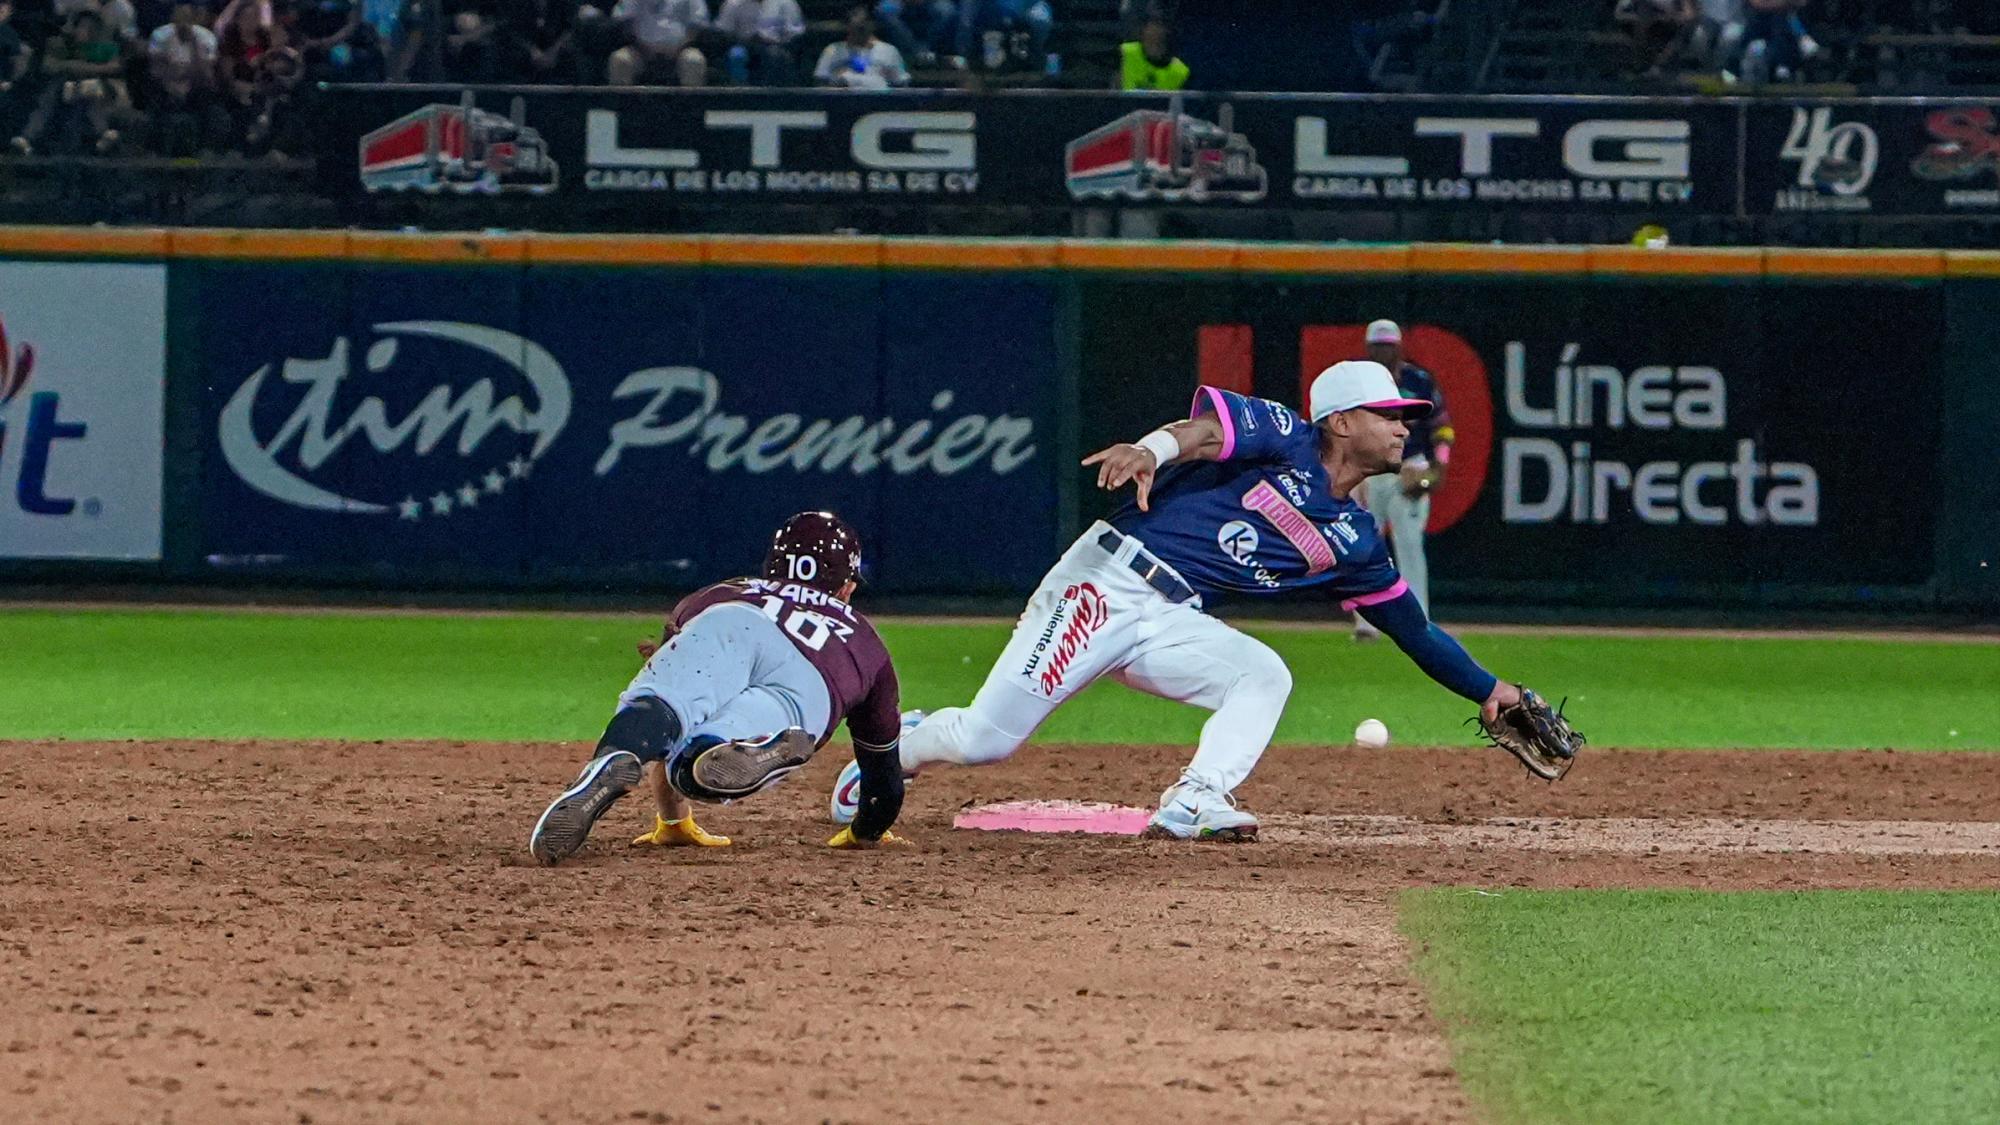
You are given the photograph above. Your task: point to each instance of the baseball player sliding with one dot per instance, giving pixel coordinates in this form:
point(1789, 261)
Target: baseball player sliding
point(1244, 499)
point(749, 680)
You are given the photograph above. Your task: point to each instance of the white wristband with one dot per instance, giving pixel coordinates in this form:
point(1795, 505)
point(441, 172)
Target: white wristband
point(1162, 445)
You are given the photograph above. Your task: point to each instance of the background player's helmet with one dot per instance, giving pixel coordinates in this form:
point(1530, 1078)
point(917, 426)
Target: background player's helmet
point(816, 549)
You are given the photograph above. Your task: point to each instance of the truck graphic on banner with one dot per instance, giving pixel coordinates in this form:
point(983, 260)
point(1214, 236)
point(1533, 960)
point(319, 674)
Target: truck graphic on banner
point(1167, 155)
point(457, 148)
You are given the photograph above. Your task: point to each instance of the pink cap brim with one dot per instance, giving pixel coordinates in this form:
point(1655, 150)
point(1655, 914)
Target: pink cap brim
point(1421, 406)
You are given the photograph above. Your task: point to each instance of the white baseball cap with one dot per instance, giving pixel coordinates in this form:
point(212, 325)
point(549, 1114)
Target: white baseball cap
point(1384, 332)
point(1355, 383)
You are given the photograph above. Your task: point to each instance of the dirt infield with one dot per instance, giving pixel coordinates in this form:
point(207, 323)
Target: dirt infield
point(351, 932)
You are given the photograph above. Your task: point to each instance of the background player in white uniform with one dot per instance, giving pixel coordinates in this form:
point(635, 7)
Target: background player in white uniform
point(1402, 499)
point(1245, 499)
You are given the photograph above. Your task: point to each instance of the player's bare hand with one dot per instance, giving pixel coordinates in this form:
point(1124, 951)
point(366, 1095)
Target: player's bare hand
point(1504, 695)
point(1125, 462)
point(846, 840)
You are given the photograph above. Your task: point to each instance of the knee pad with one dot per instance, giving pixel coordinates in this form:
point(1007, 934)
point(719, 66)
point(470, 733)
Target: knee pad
point(646, 727)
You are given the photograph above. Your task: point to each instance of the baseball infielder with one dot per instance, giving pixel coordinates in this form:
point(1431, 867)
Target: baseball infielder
point(1402, 500)
point(1245, 499)
point(750, 679)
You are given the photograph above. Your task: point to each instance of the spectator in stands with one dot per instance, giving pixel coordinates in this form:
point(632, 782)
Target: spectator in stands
point(119, 16)
point(14, 58)
point(472, 47)
point(416, 47)
point(662, 36)
point(1028, 22)
point(231, 12)
point(860, 61)
point(181, 93)
point(83, 69)
point(537, 40)
point(259, 68)
point(940, 20)
point(334, 43)
point(1718, 38)
point(1660, 30)
point(1775, 41)
point(761, 34)
point(1149, 63)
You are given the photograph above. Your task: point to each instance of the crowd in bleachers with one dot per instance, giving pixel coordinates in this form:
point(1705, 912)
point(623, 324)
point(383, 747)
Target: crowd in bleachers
point(122, 76)
point(181, 78)
point(101, 76)
point(1873, 43)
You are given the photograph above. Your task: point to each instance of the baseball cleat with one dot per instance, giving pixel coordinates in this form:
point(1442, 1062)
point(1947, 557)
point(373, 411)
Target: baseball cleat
point(1196, 810)
point(847, 787)
point(738, 769)
point(566, 824)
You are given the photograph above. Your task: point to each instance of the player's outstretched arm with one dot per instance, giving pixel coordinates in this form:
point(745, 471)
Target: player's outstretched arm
point(1438, 653)
point(1195, 439)
point(881, 799)
point(876, 727)
point(1514, 718)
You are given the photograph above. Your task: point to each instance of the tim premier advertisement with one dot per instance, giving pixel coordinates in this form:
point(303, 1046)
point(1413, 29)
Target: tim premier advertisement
point(648, 425)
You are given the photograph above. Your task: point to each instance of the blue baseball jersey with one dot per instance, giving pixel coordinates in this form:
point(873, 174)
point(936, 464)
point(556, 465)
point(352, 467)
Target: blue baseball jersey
point(1263, 519)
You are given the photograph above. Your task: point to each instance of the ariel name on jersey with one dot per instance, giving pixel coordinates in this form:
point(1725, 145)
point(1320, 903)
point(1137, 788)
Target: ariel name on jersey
point(799, 593)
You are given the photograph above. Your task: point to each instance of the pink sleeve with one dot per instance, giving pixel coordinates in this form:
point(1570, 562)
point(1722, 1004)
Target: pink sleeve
point(1214, 401)
point(1377, 598)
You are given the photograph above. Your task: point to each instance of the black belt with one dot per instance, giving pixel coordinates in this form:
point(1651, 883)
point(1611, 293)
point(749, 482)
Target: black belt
point(1152, 570)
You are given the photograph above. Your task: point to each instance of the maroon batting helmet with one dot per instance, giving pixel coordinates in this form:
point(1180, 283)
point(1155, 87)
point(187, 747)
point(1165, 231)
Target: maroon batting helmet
point(816, 549)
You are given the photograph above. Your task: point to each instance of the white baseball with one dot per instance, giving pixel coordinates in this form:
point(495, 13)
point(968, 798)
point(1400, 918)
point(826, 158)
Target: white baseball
point(1372, 734)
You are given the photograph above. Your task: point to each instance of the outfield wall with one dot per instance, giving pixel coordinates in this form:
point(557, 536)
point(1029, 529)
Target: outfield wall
point(1636, 427)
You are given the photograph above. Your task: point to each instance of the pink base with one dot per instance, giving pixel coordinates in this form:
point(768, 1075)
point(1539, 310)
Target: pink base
point(1054, 816)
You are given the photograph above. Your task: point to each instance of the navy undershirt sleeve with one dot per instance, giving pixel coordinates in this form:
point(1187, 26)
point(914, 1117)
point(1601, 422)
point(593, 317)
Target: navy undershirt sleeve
point(1435, 651)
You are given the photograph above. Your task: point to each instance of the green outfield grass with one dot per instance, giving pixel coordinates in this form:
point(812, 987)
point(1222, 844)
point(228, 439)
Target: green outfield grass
point(1671, 1006)
point(185, 674)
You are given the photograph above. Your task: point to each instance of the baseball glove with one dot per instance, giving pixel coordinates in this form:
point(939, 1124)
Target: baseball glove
point(1537, 734)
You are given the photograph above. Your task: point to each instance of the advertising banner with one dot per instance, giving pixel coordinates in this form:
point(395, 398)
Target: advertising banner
point(1634, 437)
point(1882, 158)
point(82, 388)
point(650, 426)
point(735, 148)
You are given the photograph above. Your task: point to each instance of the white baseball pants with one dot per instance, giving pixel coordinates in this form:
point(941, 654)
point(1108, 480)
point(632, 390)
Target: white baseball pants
point(1094, 616)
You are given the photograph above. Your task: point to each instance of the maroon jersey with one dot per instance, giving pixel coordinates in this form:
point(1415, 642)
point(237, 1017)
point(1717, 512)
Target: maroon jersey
point(841, 644)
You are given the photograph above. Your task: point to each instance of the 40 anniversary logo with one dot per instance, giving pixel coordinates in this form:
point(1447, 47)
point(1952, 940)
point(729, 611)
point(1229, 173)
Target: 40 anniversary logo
point(438, 416)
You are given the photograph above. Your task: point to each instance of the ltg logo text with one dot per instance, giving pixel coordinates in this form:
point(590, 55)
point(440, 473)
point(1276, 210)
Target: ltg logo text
point(37, 426)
